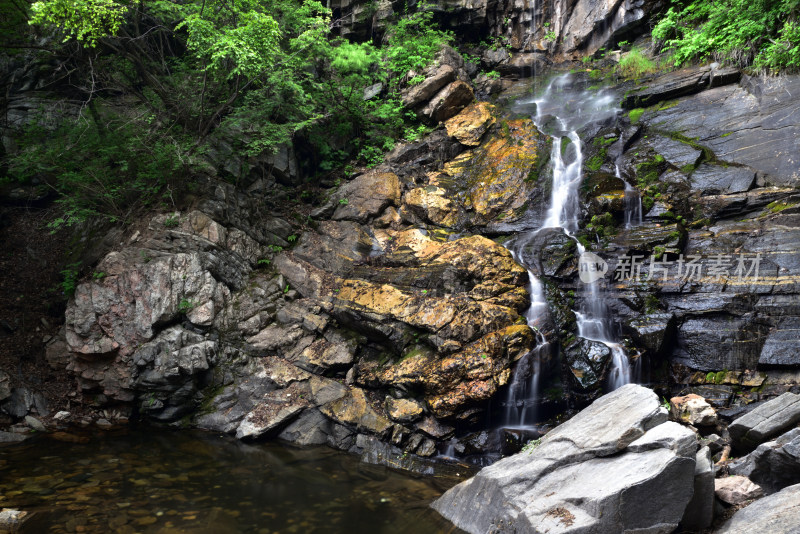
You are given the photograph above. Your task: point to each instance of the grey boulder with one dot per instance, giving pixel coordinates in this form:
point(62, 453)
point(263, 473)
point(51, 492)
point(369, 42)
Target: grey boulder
point(597, 472)
point(765, 422)
point(777, 514)
point(773, 465)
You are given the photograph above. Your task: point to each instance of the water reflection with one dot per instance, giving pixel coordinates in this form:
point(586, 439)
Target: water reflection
point(192, 482)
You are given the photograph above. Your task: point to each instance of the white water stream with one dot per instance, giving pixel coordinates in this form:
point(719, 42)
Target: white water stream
point(561, 111)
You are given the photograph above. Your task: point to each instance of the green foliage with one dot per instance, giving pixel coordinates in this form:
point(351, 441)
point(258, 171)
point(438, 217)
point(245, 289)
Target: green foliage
point(185, 306)
point(602, 225)
point(69, 278)
point(763, 33)
point(83, 20)
point(254, 74)
point(105, 170)
point(782, 52)
point(354, 58)
point(247, 45)
point(532, 445)
point(595, 162)
point(413, 41)
point(635, 64)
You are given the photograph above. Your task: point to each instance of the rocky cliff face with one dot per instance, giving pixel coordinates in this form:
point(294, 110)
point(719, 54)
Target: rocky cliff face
point(523, 31)
point(394, 319)
point(376, 323)
point(718, 175)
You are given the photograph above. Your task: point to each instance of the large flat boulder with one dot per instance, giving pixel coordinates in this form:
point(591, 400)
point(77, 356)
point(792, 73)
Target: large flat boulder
point(765, 422)
point(597, 472)
point(777, 514)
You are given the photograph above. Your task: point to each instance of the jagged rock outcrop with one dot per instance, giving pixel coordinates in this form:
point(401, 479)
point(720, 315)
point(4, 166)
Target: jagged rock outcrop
point(205, 317)
point(623, 439)
point(560, 28)
point(714, 167)
point(774, 465)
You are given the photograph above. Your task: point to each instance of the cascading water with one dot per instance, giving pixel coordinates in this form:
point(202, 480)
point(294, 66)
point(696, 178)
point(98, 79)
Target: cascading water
point(561, 111)
point(520, 405)
point(633, 203)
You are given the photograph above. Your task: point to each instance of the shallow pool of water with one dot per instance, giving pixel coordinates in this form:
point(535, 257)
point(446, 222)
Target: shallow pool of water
point(156, 481)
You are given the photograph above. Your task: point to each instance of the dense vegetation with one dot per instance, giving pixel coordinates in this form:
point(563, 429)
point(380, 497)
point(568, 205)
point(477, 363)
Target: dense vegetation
point(153, 91)
point(761, 33)
point(162, 84)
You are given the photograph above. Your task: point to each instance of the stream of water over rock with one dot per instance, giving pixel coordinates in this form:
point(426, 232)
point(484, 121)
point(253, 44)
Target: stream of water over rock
point(561, 110)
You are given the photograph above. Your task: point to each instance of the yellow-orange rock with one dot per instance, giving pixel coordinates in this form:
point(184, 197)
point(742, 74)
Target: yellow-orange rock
point(472, 375)
point(470, 125)
point(432, 203)
point(495, 175)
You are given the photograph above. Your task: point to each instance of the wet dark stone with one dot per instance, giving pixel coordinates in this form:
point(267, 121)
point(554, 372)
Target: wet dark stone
point(715, 180)
point(588, 362)
point(677, 153)
point(759, 128)
point(552, 253)
point(671, 85)
point(652, 332)
point(782, 346)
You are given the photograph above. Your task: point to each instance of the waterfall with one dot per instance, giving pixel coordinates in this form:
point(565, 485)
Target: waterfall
point(633, 203)
point(567, 110)
point(523, 396)
point(594, 323)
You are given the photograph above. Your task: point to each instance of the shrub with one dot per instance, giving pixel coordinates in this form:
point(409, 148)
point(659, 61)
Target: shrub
point(740, 32)
point(635, 64)
point(102, 170)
